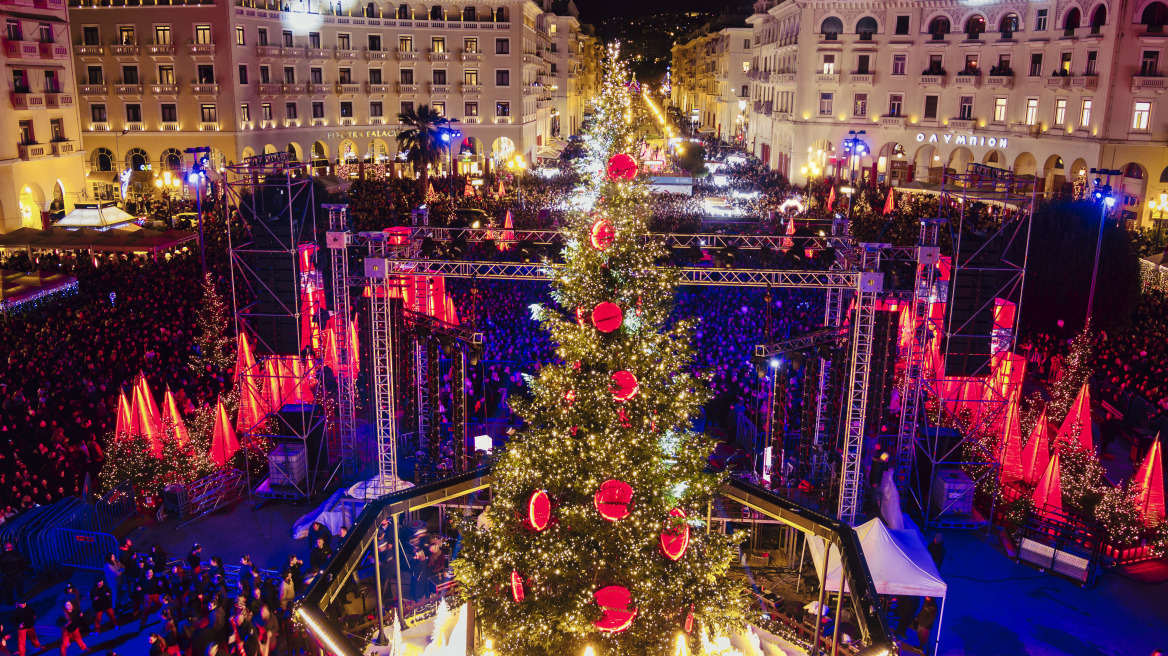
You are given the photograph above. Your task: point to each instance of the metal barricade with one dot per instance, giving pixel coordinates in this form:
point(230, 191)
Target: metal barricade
point(81, 549)
point(115, 507)
point(746, 433)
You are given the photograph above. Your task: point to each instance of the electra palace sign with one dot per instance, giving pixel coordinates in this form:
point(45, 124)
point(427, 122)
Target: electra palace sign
point(962, 139)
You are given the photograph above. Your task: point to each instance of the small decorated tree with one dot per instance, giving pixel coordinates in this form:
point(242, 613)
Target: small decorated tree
point(1075, 369)
point(215, 339)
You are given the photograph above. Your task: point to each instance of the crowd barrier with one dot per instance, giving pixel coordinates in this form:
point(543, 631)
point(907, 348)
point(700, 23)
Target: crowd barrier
point(68, 547)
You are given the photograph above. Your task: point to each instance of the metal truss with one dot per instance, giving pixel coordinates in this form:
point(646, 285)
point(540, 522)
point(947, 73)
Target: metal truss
point(832, 320)
point(863, 338)
point(709, 240)
point(384, 400)
point(337, 243)
point(809, 340)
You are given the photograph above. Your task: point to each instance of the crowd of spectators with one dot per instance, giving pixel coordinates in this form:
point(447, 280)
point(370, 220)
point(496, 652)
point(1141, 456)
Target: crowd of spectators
point(1134, 357)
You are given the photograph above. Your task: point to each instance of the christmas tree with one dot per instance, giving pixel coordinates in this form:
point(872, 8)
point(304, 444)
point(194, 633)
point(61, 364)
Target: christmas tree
point(1075, 369)
point(592, 538)
point(216, 344)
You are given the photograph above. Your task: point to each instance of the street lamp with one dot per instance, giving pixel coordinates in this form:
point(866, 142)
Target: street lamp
point(1102, 194)
point(1159, 209)
point(198, 175)
point(450, 136)
point(855, 148)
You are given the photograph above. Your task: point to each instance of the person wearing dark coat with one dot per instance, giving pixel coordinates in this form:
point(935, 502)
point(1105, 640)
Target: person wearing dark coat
point(317, 532)
point(906, 611)
point(320, 555)
point(71, 632)
point(25, 619)
point(157, 645)
point(195, 559)
point(12, 566)
point(102, 600)
point(150, 591)
point(924, 622)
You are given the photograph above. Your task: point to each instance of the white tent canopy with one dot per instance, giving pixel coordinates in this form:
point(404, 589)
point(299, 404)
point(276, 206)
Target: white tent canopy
point(898, 560)
point(99, 216)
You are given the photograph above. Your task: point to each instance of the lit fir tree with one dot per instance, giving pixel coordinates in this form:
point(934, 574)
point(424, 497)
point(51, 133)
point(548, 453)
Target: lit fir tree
point(1075, 369)
point(130, 458)
point(215, 339)
point(1119, 515)
point(588, 541)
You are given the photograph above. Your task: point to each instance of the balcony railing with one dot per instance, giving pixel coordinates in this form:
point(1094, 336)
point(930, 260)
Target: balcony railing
point(439, 56)
point(21, 49)
point(271, 89)
point(1084, 81)
point(201, 49)
point(471, 56)
point(439, 88)
point(53, 50)
point(967, 80)
point(1057, 81)
point(204, 89)
point(504, 120)
point(1003, 81)
point(348, 89)
point(28, 100)
point(127, 89)
point(407, 88)
point(208, 126)
point(160, 50)
point(348, 121)
point(89, 51)
point(376, 89)
point(827, 78)
point(93, 90)
point(169, 126)
point(32, 151)
point(63, 147)
point(470, 119)
point(472, 89)
point(893, 121)
point(933, 80)
point(860, 78)
point(319, 90)
point(267, 125)
point(292, 89)
point(125, 50)
point(319, 122)
point(347, 55)
point(135, 126)
point(962, 123)
point(1141, 82)
point(164, 89)
point(407, 55)
point(268, 52)
point(58, 99)
point(377, 55)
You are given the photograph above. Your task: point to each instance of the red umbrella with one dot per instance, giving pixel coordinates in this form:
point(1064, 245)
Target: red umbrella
point(1037, 454)
point(1077, 426)
point(223, 444)
point(1048, 496)
point(890, 204)
point(1149, 485)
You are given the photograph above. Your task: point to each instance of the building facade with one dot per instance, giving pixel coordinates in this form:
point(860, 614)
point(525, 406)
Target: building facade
point(41, 164)
point(1048, 89)
point(710, 82)
point(323, 81)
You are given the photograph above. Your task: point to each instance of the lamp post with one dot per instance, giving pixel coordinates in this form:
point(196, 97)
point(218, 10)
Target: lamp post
point(1106, 201)
point(197, 176)
point(451, 135)
point(1159, 209)
point(855, 148)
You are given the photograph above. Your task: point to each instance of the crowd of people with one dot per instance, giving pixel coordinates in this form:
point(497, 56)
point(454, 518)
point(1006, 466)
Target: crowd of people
point(1134, 357)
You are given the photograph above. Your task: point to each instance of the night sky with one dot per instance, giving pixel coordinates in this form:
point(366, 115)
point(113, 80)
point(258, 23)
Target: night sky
point(594, 11)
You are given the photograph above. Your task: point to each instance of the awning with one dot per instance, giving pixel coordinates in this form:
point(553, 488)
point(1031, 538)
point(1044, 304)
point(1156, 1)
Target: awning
point(101, 216)
point(103, 176)
point(707, 129)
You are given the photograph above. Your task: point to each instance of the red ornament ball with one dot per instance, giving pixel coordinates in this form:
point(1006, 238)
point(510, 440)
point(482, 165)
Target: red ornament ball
point(615, 601)
point(622, 166)
point(607, 317)
point(539, 511)
point(603, 234)
point(624, 386)
point(675, 539)
point(613, 498)
point(516, 587)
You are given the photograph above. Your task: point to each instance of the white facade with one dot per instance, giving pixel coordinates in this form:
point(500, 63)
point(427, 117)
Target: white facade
point(710, 80)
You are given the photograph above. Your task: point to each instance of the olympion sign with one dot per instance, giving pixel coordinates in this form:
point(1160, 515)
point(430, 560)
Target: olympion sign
point(962, 140)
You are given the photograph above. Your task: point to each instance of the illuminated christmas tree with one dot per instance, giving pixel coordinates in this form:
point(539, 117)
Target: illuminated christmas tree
point(215, 340)
point(593, 538)
point(1075, 369)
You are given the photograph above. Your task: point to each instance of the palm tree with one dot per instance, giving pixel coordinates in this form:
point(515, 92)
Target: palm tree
point(421, 140)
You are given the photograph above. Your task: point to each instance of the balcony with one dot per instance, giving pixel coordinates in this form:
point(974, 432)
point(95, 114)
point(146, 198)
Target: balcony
point(89, 52)
point(440, 88)
point(93, 90)
point(267, 125)
point(25, 100)
point(893, 121)
point(169, 126)
point(32, 151)
point(377, 55)
point(49, 4)
point(961, 124)
point(785, 79)
point(164, 89)
point(376, 89)
point(472, 89)
point(53, 50)
point(407, 55)
point(127, 90)
point(969, 80)
point(270, 90)
point(201, 49)
point(470, 119)
point(208, 126)
point(933, 80)
point(135, 126)
point(1145, 82)
point(1084, 82)
point(407, 88)
point(347, 55)
point(531, 89)
point(503, 120)
point(64, 147)
point(319, 90)
point(439, 56)
point(125, 51)
point(57, 100)
point(21, 49)
point(827, 78)
point(861, 78)
point(202, 89)
point(530, 59)
point(1026, 128)
point(319, 122)
point(268, 52)
point(348, 121)
point(469, 56)
point(348, 89)
point(377, 120)
point(292, 89)
point(1057, 82)
point(1001, 81)
point(160, 50)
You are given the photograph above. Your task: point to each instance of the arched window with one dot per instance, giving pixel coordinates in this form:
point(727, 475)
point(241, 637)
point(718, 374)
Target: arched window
point(1164, 175)
point(136, 159)
point(866, 27)
point(469, 14)
point(1072, 21)
point(103, 160)
point(1133, 171)
point(171, 160)
point(939, 27)
point(403, 12)
point(831, 28)
point(436, 13)
point(1155, 17)
point(370, 10)
point(1008, 26)
point(1098, 19)
point(501, 15)
point(975, 27)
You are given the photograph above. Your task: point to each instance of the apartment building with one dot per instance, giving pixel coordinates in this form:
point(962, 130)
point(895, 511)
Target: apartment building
point(714, 90)
point(1047, 89)
point(323, 81)
point(41, 163)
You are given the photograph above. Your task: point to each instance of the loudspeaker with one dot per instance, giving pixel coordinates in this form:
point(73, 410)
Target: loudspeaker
point(969, 321)
point(277, 296)
point(302, 424)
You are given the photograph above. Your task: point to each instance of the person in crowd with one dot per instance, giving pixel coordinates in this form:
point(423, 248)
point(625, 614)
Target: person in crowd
point(937, 550)
point(923, 624)
point(102, 604)
point(25, 620)
point(318, 532)
point(12, 566)
point(115, 577)
point(71, 631)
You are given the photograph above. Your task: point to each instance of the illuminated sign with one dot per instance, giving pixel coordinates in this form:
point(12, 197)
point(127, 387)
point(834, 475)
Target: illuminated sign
point(962, 140)
point(357, 134)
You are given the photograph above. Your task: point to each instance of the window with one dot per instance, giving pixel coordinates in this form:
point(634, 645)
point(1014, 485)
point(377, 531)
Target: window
point(203, 34)
point(314, 40)
point(1150, 63)
point(346, 109)
point(825, 104)
point(405, 44)
point(57, 129)
point(45, 33)
point(206, 73)
point(860, 104)
point(1092, 62)
point(1155, 16)
point(829, 65)
point(744, 91)
point(502, 46)
point(343, 42)
point(1141, 112)
point(439, 108)
point(1060, 111)
point(831, 27)
point(1035, 64)
point(374, 43)
point(440, 76)
point(12, 30)
point(26, 135)
point(97, 113)
point(375, 76)
point(90, 36)
point(1008, 25)
point(470, 44)
point(20, 80)
point(470, 77)
point(262, 36)
point(290, 111)
point(407, 76)
point(317, 110)
point(862, 64)
point(1040, 20)
point(936, 65)
point(471, 109)
point(965, 108)
point(1032, 111)
point(169, 113)
point(94, 75)
point(345, 75)
point(866, 27)
point(207, 114)
point(126, 35)
point(899, 63)
point(265, 75)
point(502, 109)
point(243, 73)
point(315, 76)
point(939, 27)
point(166, 74)
point(1085, 114)
point(999, 110)
point(895, 104)
point(245, 113)
point(375, 109)
point(438, 44)
point(1065, 63)
point(240, 36)
point(129, 74)
point(1071, 22)
point(970, 65)
point(133, 113)
point(502, 78)
point(266, 112)
point(902, 24)
point(162, 35)
point(286, 35)
point(930, 107)
point(407, 107)
point(975, 27)
point(469, 15)
point(51, 84)
point(289, 75)
point(745, 42)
